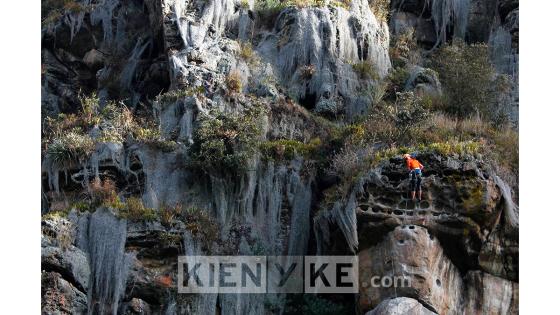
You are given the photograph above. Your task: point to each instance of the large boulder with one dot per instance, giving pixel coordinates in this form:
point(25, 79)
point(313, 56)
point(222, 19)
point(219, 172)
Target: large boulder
point(415, 262)
point(424, 81)
point(71, 263)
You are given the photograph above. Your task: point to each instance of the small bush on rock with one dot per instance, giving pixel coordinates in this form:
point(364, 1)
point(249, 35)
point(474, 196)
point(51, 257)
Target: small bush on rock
point(365, 70)
point(226, 141)
point(381, 9)
point(287, 149)
point(69, 148)
point(102, 191)
point(201, 224)
point(246, 52)
point(233, 82)
point(135, 210)
point(307, 71)
point(404, 49)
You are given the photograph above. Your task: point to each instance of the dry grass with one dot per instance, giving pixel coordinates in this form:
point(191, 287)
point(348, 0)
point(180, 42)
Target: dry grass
point(381, 9)
point(135, 210)
point(202, 225)
point(65, 236)
point(350, 160)
point(168, 214)
point(246, 52)
point(366, 70)
point(102, 191)
point(307, 71)
point(233, 82)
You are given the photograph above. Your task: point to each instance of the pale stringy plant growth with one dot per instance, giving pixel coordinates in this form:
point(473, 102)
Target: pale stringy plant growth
point(131, 64)
point(446, 13)
point(333, 40)
point(103, 237)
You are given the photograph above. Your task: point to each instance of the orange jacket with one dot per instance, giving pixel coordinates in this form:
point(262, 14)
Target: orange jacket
point(413, 164)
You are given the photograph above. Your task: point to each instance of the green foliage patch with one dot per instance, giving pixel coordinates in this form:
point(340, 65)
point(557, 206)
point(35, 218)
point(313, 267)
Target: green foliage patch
point(226, 141)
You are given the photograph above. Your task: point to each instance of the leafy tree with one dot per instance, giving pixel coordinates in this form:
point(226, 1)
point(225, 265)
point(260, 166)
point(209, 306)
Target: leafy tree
point(468, 79)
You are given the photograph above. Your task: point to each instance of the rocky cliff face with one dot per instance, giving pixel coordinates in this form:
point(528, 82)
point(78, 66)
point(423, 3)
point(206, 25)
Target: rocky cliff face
point(446, 245)
point(215, 129)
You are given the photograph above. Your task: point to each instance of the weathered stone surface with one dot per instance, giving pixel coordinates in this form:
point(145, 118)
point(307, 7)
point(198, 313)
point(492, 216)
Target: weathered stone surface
point(418, 267)
point(480, 20)
point(330, 40)
point(58, 296)
point(72, 263)
point(487, 294)
point(424, 81)
point(462, 238)
point(463, 224)
point(137, 306)
point(423, 27)
point(402, 305)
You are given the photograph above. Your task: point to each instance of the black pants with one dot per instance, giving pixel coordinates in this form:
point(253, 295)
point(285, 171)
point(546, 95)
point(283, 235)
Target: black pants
point(415, 180)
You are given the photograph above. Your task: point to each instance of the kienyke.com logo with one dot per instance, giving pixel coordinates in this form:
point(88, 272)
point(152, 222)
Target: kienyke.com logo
point(268, 274)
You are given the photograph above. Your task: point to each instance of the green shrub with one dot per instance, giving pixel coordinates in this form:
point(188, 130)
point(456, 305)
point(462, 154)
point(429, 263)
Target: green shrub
point(365, 70)
point(397, 79)
point(119, 117)
point(151, 135)
point(81, 122)
point(268, 10)
point(102, 191)
point(51, 18)
point(134, 210)
point(167, 214)
point(80, 206)
point(408, 111)
point(245, 4)
point(451, 147)
point(286, 149)
point(504, 150)
point(201, 224)
point(227, 140)
point(51, 215)
point(398, 121)
point(467, 77)
point(172, 96)
point(336, 3)
point(53, 10)
point(246, 52)
point(69, 148)
point(351, 161)
point(147, 134)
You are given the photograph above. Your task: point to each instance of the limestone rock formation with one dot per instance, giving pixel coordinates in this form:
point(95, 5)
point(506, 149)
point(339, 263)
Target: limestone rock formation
point(181, 127)
point(400, 306)
point(436, 251)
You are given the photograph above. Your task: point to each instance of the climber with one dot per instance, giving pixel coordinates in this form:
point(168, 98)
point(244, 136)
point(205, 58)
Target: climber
point(415, 176)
